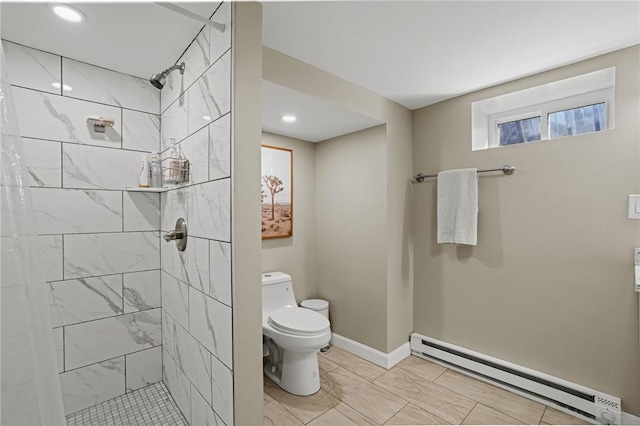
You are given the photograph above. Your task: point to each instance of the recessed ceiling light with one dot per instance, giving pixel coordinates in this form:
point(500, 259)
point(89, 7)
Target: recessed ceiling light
point(206, 117)
point(289, 118)
point(64, 86)
point(67, 12)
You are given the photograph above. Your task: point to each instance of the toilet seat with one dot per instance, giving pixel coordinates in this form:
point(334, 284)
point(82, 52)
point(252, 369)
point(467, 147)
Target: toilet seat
point(298, 321)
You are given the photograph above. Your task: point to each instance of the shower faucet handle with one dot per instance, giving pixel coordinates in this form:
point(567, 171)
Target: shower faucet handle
point(179, 235)
point(173, 235)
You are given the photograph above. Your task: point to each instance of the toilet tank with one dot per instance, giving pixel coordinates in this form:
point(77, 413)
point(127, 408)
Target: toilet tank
point(277, 292)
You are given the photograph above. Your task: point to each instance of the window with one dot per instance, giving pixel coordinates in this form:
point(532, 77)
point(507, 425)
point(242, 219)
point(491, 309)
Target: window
point(575, 121)
point(578, 105)
point(519, 131)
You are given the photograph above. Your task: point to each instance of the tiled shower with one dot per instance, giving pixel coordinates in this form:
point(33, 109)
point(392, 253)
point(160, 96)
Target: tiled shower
point(127, 309)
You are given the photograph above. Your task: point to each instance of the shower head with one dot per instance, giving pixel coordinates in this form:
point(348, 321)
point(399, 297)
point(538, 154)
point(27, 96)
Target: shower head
point(157, 80)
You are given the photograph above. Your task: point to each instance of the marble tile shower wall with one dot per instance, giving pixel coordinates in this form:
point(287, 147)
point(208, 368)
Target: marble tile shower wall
point(100, 245)
point(196, 283)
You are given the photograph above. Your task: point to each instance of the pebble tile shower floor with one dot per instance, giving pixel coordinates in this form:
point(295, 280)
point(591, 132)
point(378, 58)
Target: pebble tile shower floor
point(152, 406)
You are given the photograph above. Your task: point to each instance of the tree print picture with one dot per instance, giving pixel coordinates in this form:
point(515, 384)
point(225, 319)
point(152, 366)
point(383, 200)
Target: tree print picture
point(277, 192)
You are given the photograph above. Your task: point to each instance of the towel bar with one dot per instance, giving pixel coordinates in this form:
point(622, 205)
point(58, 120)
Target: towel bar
point(507, 169)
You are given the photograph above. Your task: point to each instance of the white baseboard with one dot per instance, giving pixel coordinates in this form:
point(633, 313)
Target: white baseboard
point(373, 355)
point(630, 419)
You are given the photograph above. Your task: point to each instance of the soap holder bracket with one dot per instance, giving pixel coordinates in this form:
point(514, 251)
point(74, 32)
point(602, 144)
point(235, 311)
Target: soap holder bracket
point(100, 124)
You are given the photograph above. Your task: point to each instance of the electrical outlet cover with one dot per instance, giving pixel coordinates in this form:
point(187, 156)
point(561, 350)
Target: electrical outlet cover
point(634, 206)
point(636, 255)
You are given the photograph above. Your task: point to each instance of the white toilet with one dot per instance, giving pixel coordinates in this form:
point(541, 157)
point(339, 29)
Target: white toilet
point(293, 336)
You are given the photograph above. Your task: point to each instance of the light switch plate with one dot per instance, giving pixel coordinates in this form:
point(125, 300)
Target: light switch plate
point(636, 255)
point(634, 206)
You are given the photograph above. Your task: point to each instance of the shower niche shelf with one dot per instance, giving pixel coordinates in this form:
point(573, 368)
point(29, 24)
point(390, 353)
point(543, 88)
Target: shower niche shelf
point(135, 189)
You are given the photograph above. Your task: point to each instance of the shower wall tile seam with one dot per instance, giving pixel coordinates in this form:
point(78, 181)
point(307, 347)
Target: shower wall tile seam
point(217, 8)
point(179, 366)
point(201, 344)
point(192, 385)
point(186, 106)
point(61, 166)
point(218, 44)
point(94, 276)
point(179, 141)
point(123, 214)
point(187, 371)
point(122, 145)
point(64, 366)
point(197, 289)
point(34, 131)
point(86, 100)
point(103, 275)
point(196, 80)
point(191, 185)
point(123, 374)
point(122, 289)
point(76, 60)
point(88, 81)
point(75, 188)
point(112, 358)
point(71, 324)
point(141, 151)
point(145, 336)
point(62, 260)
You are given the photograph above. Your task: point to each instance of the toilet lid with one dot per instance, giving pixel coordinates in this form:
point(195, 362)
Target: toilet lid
point(298, 320)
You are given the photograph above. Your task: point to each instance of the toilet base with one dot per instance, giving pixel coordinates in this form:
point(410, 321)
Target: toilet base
point(297, 374)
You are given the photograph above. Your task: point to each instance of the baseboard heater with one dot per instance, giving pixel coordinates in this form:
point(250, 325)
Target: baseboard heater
point(570, 397)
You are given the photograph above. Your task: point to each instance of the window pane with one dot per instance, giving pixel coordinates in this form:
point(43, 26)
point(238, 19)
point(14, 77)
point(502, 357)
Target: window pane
point(519, 131)
point(575, 121)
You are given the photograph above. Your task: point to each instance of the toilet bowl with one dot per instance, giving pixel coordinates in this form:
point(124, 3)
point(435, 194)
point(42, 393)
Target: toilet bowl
point(293, 336)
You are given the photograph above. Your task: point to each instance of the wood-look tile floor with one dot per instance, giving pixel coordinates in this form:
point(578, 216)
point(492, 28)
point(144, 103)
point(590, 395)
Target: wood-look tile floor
point(415, 392)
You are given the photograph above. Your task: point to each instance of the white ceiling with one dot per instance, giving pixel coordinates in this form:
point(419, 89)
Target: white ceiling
point(416, 52)
point(134, 38)
point(317, 119)
point(421, 52)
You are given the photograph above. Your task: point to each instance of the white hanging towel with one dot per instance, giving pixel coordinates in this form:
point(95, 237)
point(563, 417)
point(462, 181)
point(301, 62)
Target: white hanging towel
point(458, 206)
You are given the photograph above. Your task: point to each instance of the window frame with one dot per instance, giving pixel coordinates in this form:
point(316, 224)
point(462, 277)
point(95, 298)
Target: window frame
point(544, 109)
point(574, 92)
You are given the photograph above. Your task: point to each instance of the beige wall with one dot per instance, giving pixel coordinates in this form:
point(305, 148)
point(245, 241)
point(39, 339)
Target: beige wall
point(396, 299)
point(399, 233)
point(550, 284)
point(247, 290)
point(296, 255)
point(351, 234)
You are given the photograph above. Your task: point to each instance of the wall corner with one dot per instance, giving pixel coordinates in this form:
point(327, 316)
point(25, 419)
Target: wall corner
point(246, 241)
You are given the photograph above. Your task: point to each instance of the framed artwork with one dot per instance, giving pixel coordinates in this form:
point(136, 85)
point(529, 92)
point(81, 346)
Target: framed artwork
point(277, 192)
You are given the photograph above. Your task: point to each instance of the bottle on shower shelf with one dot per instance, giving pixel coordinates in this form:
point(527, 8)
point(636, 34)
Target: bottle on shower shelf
point(143, 180)
point(174, 164)
point(155, 171)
